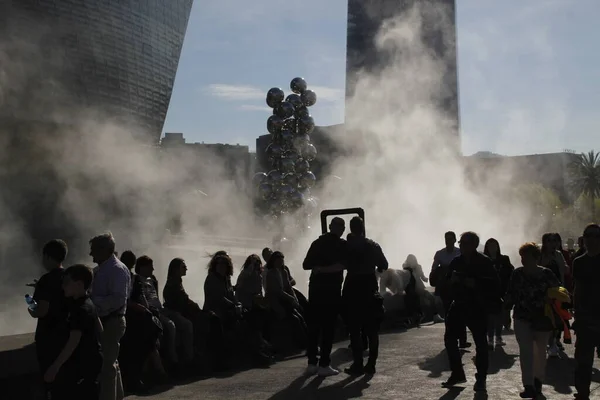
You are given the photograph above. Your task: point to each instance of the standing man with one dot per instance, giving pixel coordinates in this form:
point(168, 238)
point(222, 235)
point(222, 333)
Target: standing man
point(363, 303)
point(437, 279)
point(586, 302)
point(326, 261)
point(475, 293)
point(110, 291)
point(52, 309)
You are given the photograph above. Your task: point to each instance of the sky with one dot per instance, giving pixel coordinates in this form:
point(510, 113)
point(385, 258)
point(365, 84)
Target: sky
point(529, 80)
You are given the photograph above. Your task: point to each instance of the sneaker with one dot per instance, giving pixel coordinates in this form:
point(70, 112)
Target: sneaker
point(553, 351)
point(370, 369)
point(528, 393)
point(437, 319)
point(454, 380)
point(311, 370)
point(327, 371)
point(480, 386)
point(500, 342)
point(355, 369)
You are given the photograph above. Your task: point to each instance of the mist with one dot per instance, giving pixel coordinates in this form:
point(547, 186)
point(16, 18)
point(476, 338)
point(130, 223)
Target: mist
point(76, 172)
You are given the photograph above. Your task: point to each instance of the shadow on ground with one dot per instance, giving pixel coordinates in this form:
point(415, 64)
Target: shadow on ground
point(348, 388)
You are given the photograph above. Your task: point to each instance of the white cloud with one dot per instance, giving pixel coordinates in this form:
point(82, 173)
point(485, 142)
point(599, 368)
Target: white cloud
point(235, 92)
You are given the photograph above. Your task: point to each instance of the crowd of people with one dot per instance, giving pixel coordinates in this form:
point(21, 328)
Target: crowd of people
point(102, 331)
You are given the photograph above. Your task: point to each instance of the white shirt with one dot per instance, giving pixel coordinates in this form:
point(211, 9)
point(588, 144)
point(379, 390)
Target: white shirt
point(443, 257)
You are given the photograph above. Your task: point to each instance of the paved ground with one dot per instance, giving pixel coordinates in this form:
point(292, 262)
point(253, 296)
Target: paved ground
point(411, 366)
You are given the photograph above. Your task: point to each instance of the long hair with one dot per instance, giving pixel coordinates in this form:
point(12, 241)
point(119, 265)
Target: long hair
point(250, 259)
point(559, 240)
point(411, 262)
point(546, 237)
point(274, 256)
point(486, 249)
point(174, 268)
point(218, 257)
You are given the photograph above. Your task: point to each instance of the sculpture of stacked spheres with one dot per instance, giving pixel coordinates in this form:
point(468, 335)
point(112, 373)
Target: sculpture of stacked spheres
point(286, 187)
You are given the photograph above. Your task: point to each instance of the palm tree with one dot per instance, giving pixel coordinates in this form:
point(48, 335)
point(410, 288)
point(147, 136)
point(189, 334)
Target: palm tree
point(585, 177)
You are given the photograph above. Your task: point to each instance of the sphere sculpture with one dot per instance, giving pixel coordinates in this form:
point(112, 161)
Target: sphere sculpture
point(286, 187)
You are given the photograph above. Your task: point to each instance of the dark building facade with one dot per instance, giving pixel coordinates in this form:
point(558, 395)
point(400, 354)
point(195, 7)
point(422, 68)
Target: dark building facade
point(438, 34)
point(118, 58)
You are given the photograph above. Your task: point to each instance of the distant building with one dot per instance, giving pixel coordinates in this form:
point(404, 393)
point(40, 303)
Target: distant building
point(365, 18)
point(231, 162)
point(549, 170)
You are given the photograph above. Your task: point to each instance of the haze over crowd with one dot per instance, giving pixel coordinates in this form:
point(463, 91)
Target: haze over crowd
point(401, 168)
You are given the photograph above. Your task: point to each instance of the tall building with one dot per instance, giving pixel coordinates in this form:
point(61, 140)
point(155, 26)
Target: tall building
point(115, 57)
point(365, 18)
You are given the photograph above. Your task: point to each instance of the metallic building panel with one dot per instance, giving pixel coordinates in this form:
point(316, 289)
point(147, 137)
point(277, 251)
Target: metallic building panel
point(115, 56)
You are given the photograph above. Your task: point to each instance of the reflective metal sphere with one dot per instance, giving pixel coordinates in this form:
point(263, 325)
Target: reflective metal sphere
point(298, 85)
point(309, 98)
point(306, 125)
point(274, 150)
point(290, 124)
point(296, 199)
point(275, 177)
point(302, 111)
point(307, 180)
point(284, 110)
point(285, 189)
point(274, 124)
point(258, 178)
point(287, 136)
point(290, 179)
point(292, 155)
point(287, 165)
point(309, 152)
point(302, 166)
point(294, 99)
point(274, 97)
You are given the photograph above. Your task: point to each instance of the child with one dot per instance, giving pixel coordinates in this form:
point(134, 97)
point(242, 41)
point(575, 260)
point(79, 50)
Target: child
point(74, 373)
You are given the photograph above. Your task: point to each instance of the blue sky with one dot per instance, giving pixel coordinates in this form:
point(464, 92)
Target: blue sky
point(529, 80)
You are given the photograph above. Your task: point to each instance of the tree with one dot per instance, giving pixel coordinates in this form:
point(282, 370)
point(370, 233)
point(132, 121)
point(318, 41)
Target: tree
point(584, 172)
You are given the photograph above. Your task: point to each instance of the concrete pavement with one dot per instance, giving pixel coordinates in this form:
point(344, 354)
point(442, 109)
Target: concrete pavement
point(411, 366)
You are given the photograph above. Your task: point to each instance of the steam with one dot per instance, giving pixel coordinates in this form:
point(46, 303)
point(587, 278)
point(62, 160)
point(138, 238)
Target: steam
point(72, 171)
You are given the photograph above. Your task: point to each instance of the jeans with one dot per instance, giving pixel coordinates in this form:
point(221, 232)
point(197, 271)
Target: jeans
point(457, 318)
point(111, 387)
point(495, 324)
point(587, 341)
point(462, 334)
point(184, 330)
point(323, 314)
point(532, 352)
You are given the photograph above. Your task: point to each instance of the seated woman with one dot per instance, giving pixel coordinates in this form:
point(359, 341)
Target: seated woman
point(140, 343)
point(219, 299)
point(208, 336)
point(176, 328)
point(249, 292)
point(302, 300)
point(282, 298)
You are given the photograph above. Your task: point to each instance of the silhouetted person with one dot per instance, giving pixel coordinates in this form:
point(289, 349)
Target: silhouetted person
point(475, 292)
point(504, 269)
point(302, 300)
point(110, 293)
point(51, 311)
point(74, 372)
point(586, 276)
point(325, 259)
point(362, 301)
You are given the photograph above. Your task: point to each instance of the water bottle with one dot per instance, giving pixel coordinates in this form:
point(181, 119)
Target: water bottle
point(30, 302)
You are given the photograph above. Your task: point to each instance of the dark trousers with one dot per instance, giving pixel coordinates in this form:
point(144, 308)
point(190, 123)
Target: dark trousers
point(70, 388)
point(587, 341)
point(495, 323)
point(322, 318)
point(363, 337)
point(462, 337)
point(456, 319)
